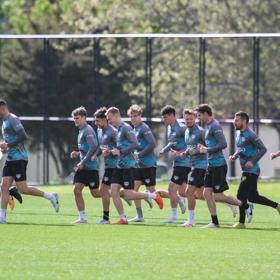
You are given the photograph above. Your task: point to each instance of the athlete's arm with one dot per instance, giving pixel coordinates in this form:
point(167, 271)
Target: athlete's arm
point(221, 140)
point(261, 149)
point(131, 137)
point(149, 137)
point(93, 146)
point(20, 133)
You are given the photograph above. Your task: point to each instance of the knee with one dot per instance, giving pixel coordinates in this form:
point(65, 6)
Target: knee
point(207, 194)
point(77, 191)
point(95, 193)
point(182, 193)
point(115, 192)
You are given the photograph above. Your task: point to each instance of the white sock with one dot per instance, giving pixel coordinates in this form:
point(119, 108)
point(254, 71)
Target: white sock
point(122, 216)
point(191, 216)
point(48, 196)
point(174, 213)
point(82, 215)
point(152, 195)
point(3, 214)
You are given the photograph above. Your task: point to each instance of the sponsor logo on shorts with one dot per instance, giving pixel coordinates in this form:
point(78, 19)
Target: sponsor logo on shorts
point(217, 187)
point(191, 179)
point(147, 181)
point(18, 176)
point(243, 178)
point(106, 179)
point(92, 184)
point(126, 183)
point(176, 177)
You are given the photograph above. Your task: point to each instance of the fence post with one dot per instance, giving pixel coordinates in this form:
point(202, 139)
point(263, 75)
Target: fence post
point(256, 82)
point(45, 95)
point(148, 77)
point(202, 66)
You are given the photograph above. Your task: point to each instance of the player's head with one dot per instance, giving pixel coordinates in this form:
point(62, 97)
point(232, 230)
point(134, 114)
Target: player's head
point(190, 117)
point(79, 116)
point(135, 114)
point(168, 114)
point(241, 120)
point(3, 108)
point(204, 112)
point(100, 117)
point(113, 116)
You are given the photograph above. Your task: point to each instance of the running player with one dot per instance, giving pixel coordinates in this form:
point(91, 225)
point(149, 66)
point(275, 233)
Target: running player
point(215, 178)
point(181, 165)
point(123, 175)
point(107, 136)
point(87, 169)
point(194, 136)
point(250, 149)
point(145, 171)
point(17, 158)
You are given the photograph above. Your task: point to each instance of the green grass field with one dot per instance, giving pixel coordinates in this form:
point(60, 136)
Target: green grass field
point(40, 244)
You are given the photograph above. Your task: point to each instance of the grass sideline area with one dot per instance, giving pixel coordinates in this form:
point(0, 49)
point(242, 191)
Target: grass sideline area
point(40, 244)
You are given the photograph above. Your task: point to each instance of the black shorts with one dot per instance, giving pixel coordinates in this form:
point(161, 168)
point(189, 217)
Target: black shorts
point(15, 169)
point(123, 177)
point(215, 178)
point(88, 178)
point(180, 175)
point(107, 177)
point(146, 175)
point(196, 177)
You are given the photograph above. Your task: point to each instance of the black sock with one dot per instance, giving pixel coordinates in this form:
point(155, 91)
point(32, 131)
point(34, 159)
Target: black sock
point(215, 219)
point(106, 215)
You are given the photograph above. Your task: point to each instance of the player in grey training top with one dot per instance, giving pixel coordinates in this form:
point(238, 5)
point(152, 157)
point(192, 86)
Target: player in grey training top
point(15, 167)
point(250, 149)
point(215, 178)
point(107, 137)
point(123, 175)
point(181, 165)
point(87, 169)
point(145, 171)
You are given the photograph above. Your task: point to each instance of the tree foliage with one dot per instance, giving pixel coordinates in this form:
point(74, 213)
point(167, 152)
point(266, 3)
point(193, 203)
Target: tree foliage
point(121, 65)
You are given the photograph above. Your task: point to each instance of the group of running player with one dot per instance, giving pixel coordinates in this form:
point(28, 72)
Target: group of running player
point(199, 166)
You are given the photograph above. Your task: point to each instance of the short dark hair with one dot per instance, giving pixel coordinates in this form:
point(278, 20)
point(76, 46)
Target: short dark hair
point(80, 111)
point(100, 113)
point(113, 110)
point(189, 112)
point(3, 102)
point(168, 110)
point(243, 115)
point(204, 108)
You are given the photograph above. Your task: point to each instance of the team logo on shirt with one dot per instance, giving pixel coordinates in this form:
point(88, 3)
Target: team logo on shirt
point(126, 183)
point(193, 136)
point(243, 139)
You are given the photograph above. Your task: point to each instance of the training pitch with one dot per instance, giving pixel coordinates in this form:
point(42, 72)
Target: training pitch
point(40, 244)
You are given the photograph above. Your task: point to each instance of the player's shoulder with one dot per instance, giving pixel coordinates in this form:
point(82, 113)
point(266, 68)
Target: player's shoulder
point(144, 127)
point(111, 129)
point(89, 129)
point(13, 117)
point(250, 133)
point(126, 127)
